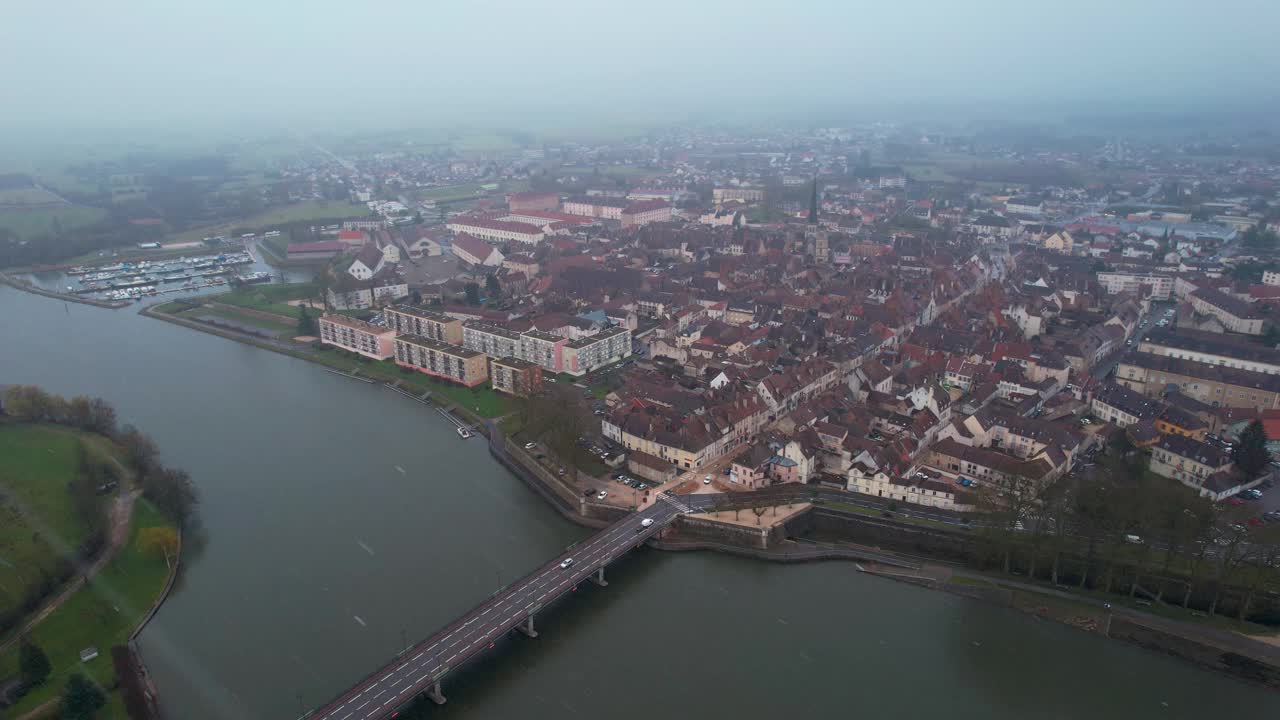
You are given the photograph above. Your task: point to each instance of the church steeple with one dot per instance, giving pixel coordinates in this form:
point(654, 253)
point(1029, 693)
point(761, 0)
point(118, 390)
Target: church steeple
point(813, 203)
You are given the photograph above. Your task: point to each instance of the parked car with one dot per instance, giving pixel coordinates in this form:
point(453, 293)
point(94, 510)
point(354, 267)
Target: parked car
point(603, 494)
point(530, 446)
point(706, 480)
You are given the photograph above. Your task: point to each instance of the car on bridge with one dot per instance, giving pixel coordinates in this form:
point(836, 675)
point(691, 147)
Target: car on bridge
point(645, 523)
point(566, 563)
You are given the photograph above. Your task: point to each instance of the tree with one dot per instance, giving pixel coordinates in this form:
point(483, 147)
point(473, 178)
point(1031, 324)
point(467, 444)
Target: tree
point(173, 493)
point(306, 323)
point(81, 699)
point(27, 402)
point(33, 664)
point(492, 286)
point(139, 450)
point(1250, 454)
point(473, 293)
point(160, 542)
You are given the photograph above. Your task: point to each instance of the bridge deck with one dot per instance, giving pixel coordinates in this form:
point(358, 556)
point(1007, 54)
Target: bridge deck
point(419, 668)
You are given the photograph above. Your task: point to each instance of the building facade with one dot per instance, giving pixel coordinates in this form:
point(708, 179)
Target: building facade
point(357, 336)
point(515, 376)
point(432, 357)
point(409, 320)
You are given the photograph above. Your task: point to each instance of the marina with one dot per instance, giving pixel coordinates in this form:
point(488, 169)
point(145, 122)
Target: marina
point(133, 281)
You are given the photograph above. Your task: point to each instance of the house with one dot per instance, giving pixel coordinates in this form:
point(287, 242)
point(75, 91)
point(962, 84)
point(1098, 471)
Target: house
point(752, 468)
point(1195, 464)
point(322, 250)
point(1236, 315)
point(367, 263)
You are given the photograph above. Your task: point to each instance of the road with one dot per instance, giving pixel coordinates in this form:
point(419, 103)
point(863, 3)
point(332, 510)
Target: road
point(419, 668)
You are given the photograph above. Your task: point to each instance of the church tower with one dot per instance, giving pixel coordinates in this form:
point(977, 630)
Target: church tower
point(815, 238)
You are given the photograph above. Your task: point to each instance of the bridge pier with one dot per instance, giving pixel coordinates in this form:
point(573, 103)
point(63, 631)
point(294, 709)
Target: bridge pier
point(526, 627)
point(598, 578)
point(434, 693)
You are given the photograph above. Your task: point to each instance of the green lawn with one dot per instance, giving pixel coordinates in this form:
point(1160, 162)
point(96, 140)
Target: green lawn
point(100, 615)
point(37, 521)
point(297, 212)
point(30, 223)
point(269, 298)
point(481, 400)
point(451, 192)
point(241, 319)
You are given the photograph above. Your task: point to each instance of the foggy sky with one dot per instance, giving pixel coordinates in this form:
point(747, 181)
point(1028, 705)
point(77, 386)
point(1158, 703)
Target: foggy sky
point(80, 63)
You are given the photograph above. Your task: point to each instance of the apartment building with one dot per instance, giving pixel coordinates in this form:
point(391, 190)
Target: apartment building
point(585, 354)
point(746, 194)
point(1213, 385)
point(1236, 315)
point(358, 336)
point(1212, 349)
point(597, 206)
point(533, 201)
point(410, 320)
point(497, 230)
point(432, 357)
point(643, 212)
point(492, 340)
point(515, 376)
point(542, 348)
point(1118, 282)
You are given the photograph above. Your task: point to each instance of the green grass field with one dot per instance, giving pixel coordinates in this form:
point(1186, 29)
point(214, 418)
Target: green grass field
point(450, 192)
point(242, 320)
point(39, 221)
point(481, 400)
point(297, 212)
point(269, 298)
point(38, 524)
point(100, 616)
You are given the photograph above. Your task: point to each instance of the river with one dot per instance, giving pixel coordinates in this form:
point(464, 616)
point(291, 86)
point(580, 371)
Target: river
point(340, 519)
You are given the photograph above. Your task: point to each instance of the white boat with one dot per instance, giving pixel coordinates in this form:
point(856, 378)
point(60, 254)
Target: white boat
point(463, 432)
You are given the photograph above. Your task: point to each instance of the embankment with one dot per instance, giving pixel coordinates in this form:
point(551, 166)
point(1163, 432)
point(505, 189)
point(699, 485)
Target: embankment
point(68, 297)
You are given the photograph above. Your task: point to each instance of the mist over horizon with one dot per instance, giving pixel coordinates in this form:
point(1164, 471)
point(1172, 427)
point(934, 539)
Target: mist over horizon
point(89, 68)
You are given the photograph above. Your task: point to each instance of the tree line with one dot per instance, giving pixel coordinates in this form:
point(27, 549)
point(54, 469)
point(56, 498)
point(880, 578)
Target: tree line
point(1117, 527)
point(169, 488)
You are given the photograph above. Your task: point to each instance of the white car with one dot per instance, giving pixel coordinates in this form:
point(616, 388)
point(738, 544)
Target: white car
point(567, 562)
point(706, 480)
point(602, 495)
point(529, 446)
point(646, 522)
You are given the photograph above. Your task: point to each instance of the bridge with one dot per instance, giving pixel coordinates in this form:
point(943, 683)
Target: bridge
point(420, 669)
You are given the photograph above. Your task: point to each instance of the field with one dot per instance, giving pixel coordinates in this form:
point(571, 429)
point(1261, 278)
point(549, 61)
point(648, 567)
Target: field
point(28, 223)
point(101, 615)
point(450, 192)
point(297, 212)
point(37, 522)
point(270, 298)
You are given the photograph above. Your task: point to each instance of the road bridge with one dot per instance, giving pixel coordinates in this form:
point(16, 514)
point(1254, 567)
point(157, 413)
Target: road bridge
point(419, 670)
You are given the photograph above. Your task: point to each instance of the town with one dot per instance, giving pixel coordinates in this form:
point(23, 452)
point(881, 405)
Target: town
point(756, 317)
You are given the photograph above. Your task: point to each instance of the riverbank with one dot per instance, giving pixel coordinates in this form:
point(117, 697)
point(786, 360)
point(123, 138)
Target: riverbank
point(68, 297)
point(571, 507)
point(1240, 656)
point(100, 607)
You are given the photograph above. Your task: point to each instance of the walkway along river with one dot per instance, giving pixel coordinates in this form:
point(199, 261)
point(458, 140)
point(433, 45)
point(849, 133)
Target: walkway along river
point(341, 522)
